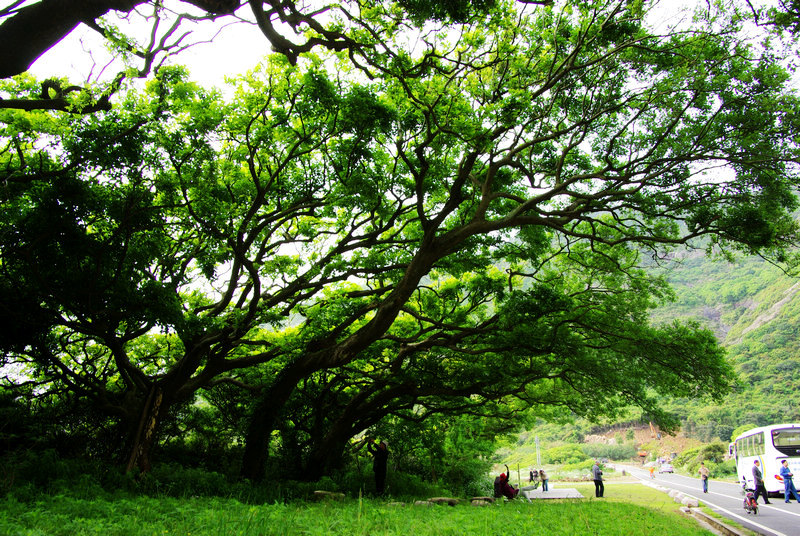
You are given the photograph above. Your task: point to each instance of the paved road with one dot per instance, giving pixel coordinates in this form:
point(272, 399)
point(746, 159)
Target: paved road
point(776, 518)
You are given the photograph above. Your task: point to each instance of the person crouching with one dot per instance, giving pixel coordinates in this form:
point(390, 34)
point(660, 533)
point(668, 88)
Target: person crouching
point(502, 488)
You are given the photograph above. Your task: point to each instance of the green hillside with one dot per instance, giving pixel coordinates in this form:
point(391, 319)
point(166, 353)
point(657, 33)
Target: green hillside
point(754, 308)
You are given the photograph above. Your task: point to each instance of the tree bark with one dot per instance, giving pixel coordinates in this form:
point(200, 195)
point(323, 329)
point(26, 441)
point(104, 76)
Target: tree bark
point(34, 29)
point(328, 453)
point(326, 457)
point(145, 434)
point(262, 422)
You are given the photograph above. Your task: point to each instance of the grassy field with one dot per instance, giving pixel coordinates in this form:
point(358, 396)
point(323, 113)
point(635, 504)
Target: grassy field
point(627, 509)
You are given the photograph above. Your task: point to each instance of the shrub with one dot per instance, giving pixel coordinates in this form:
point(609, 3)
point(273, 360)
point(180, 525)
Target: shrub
point(564, 454)
point(575, 471)
point(176, 480)
point(468, 478)
point(48, 472)
point(714, 452)
point(353, 482)
point(716, 470)
point(713, 455)
point(29, 475)
point(612, 452)
point(726, 468)
point(688, 456)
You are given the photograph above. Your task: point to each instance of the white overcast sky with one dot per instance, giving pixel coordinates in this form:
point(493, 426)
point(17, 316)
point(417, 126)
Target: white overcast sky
point(82, 55)
point(236, 50)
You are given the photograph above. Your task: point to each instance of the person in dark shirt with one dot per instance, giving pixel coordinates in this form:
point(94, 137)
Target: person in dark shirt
point(380, 456)
point(597, 476)
point(534, 479)
point(758, 482)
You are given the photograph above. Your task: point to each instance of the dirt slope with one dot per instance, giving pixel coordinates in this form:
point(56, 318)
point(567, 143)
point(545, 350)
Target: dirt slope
point(663, 447)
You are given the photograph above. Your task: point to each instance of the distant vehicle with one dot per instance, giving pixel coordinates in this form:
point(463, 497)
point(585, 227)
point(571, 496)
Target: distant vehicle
point(770, 445)
point(666, 468)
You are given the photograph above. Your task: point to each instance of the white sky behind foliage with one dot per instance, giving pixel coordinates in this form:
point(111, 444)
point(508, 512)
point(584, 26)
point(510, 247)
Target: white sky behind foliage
point(235, 50)
point(238, 48)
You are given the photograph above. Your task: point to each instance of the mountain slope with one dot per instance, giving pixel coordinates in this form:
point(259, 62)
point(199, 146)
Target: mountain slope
point(754, 309)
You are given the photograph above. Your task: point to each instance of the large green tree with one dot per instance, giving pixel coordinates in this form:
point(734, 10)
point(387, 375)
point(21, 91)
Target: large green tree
point(427, 230)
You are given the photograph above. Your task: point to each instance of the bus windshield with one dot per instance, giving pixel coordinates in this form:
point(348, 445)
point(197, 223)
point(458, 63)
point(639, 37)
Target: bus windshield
point(786, 440)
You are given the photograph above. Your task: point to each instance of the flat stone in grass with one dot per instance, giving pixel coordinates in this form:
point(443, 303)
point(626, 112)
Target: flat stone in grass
point(487, 499)
point(320, 495)
point(423, 503)
point(396, 504)
point(444, 500)
point(480, 502)
point(690, 502)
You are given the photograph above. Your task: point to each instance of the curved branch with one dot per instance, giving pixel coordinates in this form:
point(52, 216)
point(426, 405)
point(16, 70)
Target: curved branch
point(31, 31)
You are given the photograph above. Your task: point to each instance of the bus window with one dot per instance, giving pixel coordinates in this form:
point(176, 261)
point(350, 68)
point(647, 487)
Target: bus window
point(787, 441)
point(759, 444)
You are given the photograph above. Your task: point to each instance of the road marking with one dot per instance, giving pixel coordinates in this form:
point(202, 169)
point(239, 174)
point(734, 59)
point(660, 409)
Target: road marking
point(748, 520)
point(770, 506)
point(735, 497)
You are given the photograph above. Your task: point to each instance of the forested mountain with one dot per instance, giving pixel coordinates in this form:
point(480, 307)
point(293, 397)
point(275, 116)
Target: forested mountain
point(754, 309)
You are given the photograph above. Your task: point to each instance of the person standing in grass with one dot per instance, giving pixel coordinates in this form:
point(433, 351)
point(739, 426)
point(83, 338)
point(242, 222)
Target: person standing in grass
point(597, 476)
point(704, 476)
point(534, 479)
point(380, 456)
point(788, 483)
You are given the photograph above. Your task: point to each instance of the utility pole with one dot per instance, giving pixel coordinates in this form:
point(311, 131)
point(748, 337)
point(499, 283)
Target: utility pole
point(538, 456)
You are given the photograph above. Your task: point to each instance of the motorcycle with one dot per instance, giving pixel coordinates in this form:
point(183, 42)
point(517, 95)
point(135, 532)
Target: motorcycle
point(750, 505)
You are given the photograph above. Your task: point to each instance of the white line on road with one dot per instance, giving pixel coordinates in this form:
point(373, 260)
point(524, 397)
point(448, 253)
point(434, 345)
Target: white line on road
point(746, 519)
point(770, 506)
point(737, 497)
point(725, 510)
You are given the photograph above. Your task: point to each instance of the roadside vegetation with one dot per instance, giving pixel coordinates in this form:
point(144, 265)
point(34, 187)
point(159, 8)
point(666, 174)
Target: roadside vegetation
point(203, 503)
point(567, 453)
point(58, 515)
point(44, 494)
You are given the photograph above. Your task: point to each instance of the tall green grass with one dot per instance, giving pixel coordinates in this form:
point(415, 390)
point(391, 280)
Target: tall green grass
point(44, 495)
point(134, 516)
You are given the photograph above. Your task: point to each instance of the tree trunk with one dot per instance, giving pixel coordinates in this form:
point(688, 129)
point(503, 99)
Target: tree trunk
point(144, 438)
point(327, 455)
point(262, 422)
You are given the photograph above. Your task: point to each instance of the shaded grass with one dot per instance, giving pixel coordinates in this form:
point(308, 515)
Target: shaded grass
point(135, 516)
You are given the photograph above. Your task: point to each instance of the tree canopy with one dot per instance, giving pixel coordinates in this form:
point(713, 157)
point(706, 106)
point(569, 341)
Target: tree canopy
point(396, 233)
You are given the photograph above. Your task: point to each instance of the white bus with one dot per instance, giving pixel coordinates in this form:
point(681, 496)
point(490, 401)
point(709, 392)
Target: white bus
point(770, 445)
